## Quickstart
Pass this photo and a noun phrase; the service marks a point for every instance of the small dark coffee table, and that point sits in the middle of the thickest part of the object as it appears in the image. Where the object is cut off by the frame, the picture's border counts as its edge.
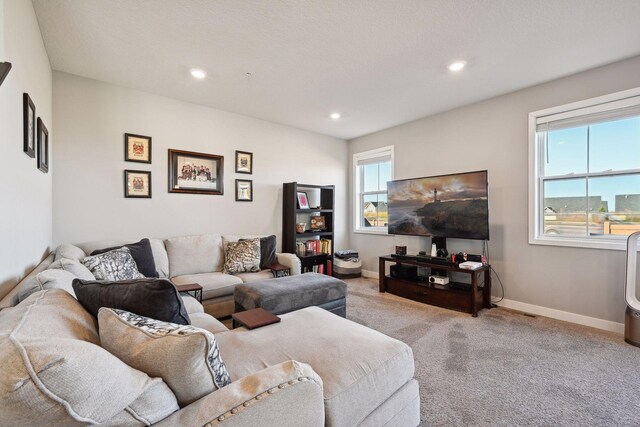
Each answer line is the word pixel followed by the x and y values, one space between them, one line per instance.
pixel 255 318
pixel 191 287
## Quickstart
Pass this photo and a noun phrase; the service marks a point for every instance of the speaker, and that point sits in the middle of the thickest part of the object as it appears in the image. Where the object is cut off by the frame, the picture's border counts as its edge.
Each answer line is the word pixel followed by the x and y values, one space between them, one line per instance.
pixel 405 272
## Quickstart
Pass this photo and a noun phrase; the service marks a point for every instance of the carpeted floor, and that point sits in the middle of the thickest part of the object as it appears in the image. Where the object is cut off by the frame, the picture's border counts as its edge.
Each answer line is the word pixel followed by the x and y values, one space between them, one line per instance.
pixel 504 368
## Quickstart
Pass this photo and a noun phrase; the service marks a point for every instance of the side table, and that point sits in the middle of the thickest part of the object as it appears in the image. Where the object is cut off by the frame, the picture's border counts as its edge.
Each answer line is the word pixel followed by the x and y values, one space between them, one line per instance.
pixel 254 318
pixel 192 287
pixel 279 270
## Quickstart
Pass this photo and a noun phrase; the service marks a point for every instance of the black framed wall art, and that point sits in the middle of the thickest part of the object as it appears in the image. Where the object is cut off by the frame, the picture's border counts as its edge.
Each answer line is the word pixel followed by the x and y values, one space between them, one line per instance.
pixel 244 162
pixel 29 125
pixel 137 184
pixel 196 173
pixel 244 190
pixel 137 148
pixel 43 146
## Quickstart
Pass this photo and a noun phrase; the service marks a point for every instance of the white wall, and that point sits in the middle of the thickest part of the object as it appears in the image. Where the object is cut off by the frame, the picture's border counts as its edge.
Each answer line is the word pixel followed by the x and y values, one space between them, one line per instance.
pixel 493 135
pixel 91 118
pixel 25 209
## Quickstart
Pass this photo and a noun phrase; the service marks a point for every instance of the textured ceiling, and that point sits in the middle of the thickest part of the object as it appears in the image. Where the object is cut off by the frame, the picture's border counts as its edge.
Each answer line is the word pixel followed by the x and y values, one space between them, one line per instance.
pixel 379 63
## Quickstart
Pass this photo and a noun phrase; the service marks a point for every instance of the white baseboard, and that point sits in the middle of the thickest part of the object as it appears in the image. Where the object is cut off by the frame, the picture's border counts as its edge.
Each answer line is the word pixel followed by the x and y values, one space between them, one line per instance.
pixel 580 319
pixel 566 316
pixel 370 274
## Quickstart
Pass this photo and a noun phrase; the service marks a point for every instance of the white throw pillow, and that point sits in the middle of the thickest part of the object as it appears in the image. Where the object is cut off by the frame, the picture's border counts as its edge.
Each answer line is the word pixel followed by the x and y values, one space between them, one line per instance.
pixel 117 264
pixel 185 357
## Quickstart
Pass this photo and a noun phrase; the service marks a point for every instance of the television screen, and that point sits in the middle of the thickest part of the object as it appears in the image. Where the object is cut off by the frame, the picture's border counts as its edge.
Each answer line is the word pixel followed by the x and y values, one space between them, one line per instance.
pixel 455 206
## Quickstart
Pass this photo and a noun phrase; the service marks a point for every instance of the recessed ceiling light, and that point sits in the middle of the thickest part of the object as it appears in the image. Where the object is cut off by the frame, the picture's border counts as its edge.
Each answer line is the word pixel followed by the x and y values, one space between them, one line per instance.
pixel 198 73
pixel 335 116
pixel 457 66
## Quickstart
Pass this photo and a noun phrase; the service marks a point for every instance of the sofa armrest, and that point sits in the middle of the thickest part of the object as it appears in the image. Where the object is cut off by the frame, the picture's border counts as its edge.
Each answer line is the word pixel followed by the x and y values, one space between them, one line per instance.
pixel 287 394
pixel 291 261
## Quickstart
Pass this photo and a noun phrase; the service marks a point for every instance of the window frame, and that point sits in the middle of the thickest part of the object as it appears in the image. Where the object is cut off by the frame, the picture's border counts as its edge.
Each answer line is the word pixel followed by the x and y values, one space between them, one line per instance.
pixel 358 195
pixel 537 178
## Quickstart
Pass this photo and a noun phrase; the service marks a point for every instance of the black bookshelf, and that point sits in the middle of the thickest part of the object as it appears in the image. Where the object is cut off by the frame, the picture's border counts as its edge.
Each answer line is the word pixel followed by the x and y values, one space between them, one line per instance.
pixel 291 215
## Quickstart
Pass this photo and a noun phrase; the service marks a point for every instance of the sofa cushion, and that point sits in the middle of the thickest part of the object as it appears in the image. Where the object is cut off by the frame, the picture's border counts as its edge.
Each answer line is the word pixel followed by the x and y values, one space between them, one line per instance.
pixel 267 251
pixel 48 279
pixel 191 304
pixel 253 277
pixel 242 256
pixel 185 357
pixel 74 267
pixel 117 264
pixel 157 247
pixel 70 252
pixel 194 254
pixel 155 298
pixel 214 285
pixel 207 322
pixel 54 372
pixel 142 255
pixel 360 368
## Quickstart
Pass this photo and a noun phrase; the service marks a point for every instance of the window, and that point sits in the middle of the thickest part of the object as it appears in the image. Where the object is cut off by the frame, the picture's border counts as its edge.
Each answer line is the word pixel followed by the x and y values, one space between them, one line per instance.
pixel 585 172
pixel 372 170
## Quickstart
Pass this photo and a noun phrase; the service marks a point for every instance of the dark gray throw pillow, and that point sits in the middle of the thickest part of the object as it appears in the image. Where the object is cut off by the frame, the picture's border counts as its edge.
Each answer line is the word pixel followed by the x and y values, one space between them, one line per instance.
pixel 155 298
pixel 142 255
pixel 267 251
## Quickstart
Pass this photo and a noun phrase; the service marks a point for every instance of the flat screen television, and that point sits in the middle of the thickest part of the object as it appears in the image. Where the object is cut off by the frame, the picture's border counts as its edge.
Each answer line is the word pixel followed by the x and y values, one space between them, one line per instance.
pixel 455 206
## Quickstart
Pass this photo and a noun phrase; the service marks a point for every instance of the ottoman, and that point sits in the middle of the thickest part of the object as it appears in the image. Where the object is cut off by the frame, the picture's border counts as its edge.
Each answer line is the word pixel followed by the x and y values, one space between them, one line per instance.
pixel 292 293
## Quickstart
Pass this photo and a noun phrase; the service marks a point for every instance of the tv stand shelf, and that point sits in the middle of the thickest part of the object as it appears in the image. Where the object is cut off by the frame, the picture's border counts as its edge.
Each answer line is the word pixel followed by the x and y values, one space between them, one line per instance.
pixel 470 300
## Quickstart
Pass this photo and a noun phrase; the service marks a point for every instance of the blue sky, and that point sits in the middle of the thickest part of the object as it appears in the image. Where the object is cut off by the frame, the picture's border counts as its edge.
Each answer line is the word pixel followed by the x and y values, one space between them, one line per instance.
pixel 611 145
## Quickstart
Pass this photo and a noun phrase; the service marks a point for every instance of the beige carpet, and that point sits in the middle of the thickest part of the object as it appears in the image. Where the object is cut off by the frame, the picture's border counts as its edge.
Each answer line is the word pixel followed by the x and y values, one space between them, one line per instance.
pixel 504 368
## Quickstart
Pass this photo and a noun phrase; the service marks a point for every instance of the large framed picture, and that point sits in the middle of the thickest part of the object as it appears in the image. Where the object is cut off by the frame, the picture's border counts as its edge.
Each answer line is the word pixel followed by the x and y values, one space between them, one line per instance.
pixel 29 125
pixel 244 190
pixel 137 184
pixel 195 173
pixel 137 148
pixel 244 162
pixel 43 146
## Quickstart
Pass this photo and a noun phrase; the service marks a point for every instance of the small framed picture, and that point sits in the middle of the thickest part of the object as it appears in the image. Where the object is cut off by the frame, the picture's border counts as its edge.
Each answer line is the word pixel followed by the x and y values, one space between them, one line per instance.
pixel 195 173
pixel 29 125
pixel 318 222
pixel 137 148
pixel 43 147
pixel 137 184
pixel 303 200
pixel 244 162
pixel 244 190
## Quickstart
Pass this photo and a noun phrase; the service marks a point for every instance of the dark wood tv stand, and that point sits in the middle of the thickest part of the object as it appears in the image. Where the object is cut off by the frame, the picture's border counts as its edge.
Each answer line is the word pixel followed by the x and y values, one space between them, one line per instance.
pixel 466 300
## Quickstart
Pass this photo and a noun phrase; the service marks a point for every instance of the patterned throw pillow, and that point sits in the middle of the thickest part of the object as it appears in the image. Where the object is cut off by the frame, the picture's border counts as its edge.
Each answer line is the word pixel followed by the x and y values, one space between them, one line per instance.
pixel 185 357
pixel 242 256
pixel 117 264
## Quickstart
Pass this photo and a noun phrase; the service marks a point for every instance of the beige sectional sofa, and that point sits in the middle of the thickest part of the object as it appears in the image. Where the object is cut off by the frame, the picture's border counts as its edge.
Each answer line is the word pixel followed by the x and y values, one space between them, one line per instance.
pixel 185 259
pixel 312 369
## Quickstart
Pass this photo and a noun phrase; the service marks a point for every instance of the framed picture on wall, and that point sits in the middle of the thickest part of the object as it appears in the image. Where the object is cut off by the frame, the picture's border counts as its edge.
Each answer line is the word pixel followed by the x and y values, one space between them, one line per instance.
pixel 43 146
pixel 137 148
pixel 29 125
pixel 196 173
pixel 137 184
pixel 244 162
pixel 244 190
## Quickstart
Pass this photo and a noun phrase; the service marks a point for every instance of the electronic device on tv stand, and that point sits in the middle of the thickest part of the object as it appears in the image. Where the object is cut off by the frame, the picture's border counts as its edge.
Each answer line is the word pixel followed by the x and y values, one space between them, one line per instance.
pixel 440 207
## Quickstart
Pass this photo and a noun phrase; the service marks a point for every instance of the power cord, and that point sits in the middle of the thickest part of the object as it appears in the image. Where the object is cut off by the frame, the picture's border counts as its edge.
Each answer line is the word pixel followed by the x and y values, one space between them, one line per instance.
pixel 485 252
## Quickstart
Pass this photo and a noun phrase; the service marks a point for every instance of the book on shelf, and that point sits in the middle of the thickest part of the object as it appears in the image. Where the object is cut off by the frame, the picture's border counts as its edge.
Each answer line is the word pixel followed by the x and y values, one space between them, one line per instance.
pixel 314 247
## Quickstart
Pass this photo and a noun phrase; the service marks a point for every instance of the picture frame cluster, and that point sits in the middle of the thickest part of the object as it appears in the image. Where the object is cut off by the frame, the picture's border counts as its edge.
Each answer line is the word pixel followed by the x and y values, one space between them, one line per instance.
pixel 189 172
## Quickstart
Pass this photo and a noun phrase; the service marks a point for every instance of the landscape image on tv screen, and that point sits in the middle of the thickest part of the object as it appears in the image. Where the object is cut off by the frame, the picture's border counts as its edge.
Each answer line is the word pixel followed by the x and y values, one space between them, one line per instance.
pixel 453 206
